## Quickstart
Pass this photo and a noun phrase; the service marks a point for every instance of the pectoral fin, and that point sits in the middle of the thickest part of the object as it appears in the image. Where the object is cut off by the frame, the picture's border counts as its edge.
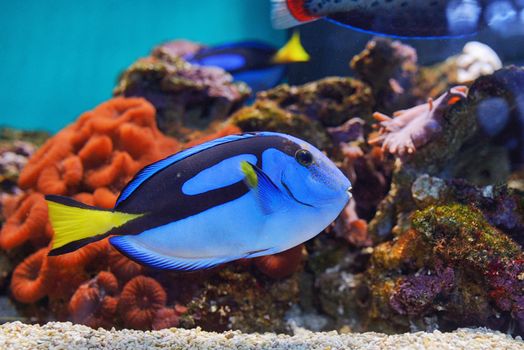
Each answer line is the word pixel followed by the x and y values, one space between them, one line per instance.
pixel 269 195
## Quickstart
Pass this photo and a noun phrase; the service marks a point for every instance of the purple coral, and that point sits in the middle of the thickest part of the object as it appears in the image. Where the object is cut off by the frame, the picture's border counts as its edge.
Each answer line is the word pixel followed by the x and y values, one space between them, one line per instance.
pixel 506 282
pixel 352 130
pixel 177 48
pixel 414 127
pixel 415 294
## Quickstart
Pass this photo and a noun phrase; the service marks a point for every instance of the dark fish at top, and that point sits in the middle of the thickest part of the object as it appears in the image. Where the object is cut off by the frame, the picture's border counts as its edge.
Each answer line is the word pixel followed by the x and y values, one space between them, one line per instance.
pixel 403 18
pixel 260 65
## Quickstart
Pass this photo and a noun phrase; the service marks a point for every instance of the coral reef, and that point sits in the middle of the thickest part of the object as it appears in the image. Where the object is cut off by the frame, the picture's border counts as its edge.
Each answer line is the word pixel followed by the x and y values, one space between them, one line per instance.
pixel 432 238
pixel 13 157
pixel 234 298
pixel 451 252
pixel 470 270
pixel 266 115
pixel 91 160
pixel 441 263
pixel 190 100
pixel 331 101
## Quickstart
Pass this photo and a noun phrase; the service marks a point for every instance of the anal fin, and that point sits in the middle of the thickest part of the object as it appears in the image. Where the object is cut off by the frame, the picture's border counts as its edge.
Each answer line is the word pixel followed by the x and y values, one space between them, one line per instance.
pixel 131 248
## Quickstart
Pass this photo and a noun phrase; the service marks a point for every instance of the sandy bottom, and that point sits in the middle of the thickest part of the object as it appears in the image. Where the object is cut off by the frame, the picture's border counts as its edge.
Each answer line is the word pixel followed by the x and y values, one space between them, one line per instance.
pixel 58 335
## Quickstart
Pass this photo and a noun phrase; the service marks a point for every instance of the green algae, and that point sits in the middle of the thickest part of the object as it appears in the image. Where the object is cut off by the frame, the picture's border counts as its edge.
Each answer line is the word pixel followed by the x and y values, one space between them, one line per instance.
pixel 240 300
pixel 267 115
pixel 463 234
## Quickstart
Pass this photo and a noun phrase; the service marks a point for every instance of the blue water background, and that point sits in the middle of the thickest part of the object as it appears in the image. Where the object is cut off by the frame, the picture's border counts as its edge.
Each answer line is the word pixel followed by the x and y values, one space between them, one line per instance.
pixel 59 58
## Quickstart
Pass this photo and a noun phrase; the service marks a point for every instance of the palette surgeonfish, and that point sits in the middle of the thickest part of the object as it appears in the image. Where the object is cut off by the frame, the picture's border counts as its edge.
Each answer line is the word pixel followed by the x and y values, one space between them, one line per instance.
pixel 260 65
pixel 240 196
pixel 403 18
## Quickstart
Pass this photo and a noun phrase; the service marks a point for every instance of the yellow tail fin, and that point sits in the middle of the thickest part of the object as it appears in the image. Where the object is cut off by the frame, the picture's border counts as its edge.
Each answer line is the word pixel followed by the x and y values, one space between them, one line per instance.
pixel 292 51
pixel 74 222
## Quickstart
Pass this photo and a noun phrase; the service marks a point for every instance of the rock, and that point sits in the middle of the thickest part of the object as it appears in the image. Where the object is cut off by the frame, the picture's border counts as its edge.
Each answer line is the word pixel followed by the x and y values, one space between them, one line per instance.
pixel 331 101
pixel 190 100
pixel 390 68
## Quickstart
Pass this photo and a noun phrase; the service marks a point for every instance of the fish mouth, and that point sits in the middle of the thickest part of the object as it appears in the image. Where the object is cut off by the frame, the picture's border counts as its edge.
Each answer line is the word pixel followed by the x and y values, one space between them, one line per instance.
pixel 292 195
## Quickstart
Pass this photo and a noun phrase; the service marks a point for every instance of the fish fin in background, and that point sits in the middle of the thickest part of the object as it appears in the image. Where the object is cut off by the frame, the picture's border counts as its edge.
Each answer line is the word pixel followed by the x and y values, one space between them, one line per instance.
pixel 292 51
pixel 133 249
pixel 76 224
pixel 289 13
pixel 269 195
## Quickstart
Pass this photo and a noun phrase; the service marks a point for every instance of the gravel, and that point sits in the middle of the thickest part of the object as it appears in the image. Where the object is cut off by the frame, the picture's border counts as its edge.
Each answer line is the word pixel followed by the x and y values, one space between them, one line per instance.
pixel 58 335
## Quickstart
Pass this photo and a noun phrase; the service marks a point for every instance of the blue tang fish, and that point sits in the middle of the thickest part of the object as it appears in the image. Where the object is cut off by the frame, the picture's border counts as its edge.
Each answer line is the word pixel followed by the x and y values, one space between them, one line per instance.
pixel 239 196
pixel 260 65
pixel 403 18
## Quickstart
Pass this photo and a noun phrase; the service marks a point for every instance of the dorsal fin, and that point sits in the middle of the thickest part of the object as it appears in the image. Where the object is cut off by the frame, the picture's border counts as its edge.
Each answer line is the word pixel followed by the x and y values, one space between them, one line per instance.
pixel 152 169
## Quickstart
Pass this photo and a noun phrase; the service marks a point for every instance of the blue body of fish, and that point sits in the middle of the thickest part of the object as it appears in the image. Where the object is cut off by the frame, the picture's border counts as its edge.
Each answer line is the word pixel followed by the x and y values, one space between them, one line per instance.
pixel 240 196
pixel 250 62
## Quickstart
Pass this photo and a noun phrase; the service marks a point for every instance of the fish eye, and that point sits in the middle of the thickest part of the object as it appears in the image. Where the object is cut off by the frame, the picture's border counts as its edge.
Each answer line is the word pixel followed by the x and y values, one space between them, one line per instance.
pixel 304 157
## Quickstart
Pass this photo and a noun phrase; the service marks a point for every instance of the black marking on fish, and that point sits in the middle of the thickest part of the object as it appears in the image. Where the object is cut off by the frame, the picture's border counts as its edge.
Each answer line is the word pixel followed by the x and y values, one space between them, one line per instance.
pixel 75 245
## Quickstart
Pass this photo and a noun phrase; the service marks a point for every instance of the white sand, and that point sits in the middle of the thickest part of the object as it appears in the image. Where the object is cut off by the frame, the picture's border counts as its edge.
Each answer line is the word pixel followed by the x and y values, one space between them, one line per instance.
pixel 56 335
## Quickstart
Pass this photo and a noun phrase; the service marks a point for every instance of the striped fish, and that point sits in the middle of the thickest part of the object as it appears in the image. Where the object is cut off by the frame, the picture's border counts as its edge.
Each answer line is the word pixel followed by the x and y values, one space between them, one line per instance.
pixel 239 196
pixel 260 65
pixel 404 18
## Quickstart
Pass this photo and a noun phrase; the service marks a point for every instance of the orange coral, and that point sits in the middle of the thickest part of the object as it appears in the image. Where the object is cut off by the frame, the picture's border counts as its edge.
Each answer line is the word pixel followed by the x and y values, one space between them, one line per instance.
pixel 104 198
pixel 28 220
pixel 280 265
pixel 82 256
pixel 51 152
pixel 165 318
pixel 28 283
pixel 94 303
pixel 123 267
pixel 94 158
pixel 141 298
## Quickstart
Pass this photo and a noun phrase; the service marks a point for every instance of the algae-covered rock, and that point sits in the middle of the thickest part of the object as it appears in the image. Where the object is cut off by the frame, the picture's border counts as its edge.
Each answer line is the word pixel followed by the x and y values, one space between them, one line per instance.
pixel 453 265
pixel 390 68
pixel 268 116
pixel 440 128
pixel 10 135
pixel 332 101
pixel 187 97
pixel 235 299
